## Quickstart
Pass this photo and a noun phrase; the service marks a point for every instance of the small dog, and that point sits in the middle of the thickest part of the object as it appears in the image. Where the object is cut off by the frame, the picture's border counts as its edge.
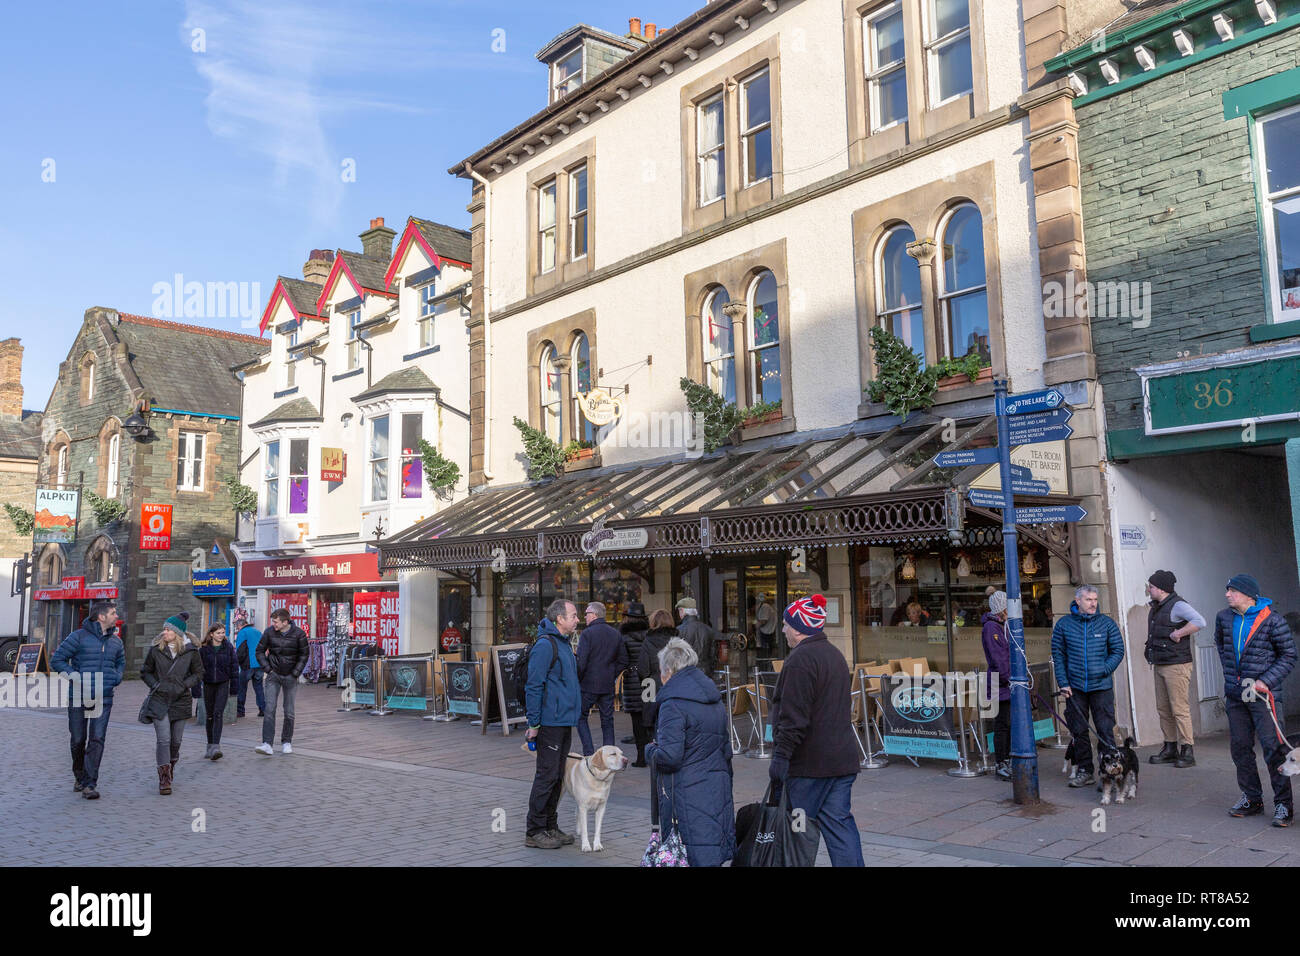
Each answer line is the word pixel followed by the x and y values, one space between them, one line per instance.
pixel 589 780
pixel 1071 759
pixel 1119 772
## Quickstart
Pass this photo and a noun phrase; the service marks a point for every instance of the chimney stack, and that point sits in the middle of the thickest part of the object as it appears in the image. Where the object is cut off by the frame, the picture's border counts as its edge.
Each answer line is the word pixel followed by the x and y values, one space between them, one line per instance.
pixel 317 267
pixel 377 241
pixel 651 31
pixel 11 378
pixel 634 27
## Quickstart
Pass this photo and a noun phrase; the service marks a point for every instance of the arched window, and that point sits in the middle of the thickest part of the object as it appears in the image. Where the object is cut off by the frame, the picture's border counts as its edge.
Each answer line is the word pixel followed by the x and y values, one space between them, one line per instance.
pixel 719 345
pixel 583 430
pixel 87 378
pixel 765 340
pixel 552 399
pixel 51 567
pixel 101 560
pixel 898 290
pixel 963 292
pixel 61 466
pixel 111 461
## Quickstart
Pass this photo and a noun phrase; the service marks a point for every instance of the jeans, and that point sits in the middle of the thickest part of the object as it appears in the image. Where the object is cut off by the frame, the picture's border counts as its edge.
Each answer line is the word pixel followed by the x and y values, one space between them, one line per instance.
pixel 87 735
pixel 548 780
pixel 1245 723
pixel 255 675
pixel 605 704
pixel 277 685
pixel 827 800
pixel 214 699
pixel 1102 705
pixel 167 734
pixel 1002 732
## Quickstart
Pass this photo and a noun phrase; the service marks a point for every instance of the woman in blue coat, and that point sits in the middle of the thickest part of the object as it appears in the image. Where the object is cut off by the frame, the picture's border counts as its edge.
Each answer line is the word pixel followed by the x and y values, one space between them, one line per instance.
pixel 691 756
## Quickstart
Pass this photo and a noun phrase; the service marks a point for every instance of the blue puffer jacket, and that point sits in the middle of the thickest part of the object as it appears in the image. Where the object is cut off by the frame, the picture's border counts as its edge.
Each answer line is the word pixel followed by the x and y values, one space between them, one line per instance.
pixel 87 651
pixel 692 757
pixel 1267 655
pixel 1086 649
pixel 559 705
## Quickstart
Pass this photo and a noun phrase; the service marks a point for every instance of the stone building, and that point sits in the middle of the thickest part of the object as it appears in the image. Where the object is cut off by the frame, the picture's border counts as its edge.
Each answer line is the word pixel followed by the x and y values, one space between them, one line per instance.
pixel 20 451
pixel 144 411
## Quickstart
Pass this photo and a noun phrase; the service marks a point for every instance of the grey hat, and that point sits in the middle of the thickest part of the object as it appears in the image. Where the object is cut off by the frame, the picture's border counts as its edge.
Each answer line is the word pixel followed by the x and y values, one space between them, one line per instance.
pixel 686 603
pixel 998 602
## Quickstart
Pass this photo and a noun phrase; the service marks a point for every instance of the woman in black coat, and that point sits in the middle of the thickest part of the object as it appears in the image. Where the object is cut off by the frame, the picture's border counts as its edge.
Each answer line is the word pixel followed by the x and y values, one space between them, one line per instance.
pixel 633 630
pixel 171 669
pixel 647 662
pixel 220 680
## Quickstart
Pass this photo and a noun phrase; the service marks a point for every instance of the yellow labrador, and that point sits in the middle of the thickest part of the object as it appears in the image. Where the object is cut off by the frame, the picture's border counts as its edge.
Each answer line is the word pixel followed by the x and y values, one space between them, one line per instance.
pixel 588 780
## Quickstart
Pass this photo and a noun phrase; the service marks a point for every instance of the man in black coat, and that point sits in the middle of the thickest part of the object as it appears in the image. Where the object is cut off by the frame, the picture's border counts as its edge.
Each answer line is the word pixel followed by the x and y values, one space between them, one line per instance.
pixel 815 750
pixel 601 658
pixel 1257 653
pixel 282 653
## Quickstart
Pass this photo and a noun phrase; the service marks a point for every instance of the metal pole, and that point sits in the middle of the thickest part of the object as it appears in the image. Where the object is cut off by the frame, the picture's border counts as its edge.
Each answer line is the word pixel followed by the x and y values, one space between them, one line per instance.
pixel 1024 755
pixel 762 720
pixel 872 762
pixel 963 768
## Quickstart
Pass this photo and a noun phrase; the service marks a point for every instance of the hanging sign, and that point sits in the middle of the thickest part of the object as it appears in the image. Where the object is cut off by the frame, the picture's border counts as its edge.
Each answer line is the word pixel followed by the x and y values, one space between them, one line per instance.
pixel 155 527
pixel 333 464
pixel 599 407
pixel 216 582
pixel 55 520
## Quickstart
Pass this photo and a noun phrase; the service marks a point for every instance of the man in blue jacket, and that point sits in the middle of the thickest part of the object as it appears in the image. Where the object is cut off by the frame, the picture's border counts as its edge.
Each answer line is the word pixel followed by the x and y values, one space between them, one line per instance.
pixel 601 658
pixel 246 641
pixel 92 649
pixel 1257 652
pixel 1086 648
pixel 552 698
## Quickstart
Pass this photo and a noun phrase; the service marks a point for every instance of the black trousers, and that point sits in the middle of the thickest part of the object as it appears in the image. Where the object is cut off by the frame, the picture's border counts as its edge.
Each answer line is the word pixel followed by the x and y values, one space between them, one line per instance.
pixel 548 781
pixel 1245 723
pixel 640 733
pixel 1101 703
pixel 1002 732
pixel 214 702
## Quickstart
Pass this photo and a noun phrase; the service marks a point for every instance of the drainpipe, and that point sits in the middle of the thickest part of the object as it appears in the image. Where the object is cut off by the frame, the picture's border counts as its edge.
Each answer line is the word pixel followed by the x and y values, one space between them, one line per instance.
pixel 487 319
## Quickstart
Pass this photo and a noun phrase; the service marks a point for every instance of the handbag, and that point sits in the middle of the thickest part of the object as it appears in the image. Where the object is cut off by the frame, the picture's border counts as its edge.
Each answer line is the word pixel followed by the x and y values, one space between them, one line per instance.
pixel 769 835
pixel 154 707
pixel 668 850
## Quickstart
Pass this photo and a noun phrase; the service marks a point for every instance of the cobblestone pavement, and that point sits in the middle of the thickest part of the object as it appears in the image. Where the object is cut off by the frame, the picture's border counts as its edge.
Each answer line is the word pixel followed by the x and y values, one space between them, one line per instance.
pixel 399 790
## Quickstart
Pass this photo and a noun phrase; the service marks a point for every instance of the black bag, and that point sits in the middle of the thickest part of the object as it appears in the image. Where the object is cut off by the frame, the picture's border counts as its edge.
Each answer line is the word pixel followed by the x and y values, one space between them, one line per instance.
pixel 521 670
pixel 154 707
pixel 766 835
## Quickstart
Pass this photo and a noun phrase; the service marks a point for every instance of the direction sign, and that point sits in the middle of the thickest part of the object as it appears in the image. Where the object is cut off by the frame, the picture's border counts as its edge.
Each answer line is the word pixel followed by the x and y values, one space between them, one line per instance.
pixel 1030 487
pixel 1040 401
pixel 1021 473
pixel 1041 427
pixel 1051 514
pixel 984 499
pixel 967 456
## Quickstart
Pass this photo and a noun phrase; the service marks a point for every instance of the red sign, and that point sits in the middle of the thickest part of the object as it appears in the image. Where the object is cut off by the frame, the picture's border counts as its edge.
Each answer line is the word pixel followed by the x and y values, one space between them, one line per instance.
pixel 298 606
pixel 155 527
pixel 333 464
pixel 359 568
pixel 451 638
pixel 74 589
pixel 365 617
pixel 388 622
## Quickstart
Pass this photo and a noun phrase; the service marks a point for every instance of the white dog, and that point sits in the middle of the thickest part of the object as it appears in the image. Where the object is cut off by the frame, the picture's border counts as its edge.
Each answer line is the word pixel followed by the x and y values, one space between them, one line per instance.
pixel 589 780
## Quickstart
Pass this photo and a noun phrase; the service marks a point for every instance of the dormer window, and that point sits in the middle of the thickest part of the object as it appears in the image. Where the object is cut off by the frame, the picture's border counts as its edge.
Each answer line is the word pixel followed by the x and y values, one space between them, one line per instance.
pixel 567 74
pixel 354 339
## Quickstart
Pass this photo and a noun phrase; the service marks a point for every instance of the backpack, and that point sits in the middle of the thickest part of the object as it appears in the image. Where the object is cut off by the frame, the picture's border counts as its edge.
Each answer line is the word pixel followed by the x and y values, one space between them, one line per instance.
pixel 520 674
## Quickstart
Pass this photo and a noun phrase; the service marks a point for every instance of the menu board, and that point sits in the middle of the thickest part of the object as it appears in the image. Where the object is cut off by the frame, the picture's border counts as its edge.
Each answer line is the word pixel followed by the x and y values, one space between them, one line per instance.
pixel 504 659
pixel 464 682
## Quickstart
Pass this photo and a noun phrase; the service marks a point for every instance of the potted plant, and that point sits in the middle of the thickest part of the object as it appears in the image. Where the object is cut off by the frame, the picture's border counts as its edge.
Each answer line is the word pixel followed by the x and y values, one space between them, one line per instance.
pixel 970 368
pixel 579 450
pixel 761 413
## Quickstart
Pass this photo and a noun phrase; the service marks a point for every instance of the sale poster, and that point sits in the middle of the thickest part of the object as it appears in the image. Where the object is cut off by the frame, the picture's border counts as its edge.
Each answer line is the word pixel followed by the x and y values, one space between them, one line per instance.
pixel 365 617
pixel 388 622
pixel 298 606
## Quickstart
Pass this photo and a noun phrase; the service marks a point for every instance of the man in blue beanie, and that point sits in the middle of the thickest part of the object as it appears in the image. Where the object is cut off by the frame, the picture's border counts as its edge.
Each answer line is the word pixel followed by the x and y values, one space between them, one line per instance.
pixel 1257 652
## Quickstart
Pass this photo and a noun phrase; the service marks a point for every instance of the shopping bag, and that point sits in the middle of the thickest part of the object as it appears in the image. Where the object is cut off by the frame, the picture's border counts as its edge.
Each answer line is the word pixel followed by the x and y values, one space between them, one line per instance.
pixel 768 834
pixel 670 851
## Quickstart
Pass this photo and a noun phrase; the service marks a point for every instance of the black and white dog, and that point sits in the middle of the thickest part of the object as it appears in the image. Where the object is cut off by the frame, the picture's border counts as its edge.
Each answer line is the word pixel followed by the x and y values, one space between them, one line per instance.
pixel 1071 761
pixel 1119 772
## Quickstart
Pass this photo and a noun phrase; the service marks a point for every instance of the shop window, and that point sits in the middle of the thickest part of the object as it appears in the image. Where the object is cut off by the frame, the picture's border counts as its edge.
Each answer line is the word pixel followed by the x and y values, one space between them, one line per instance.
pixel 1280 205
pixel 379 458
pixel 570 580
pixel 756 127
pixel 765 340
pixel 948 51
pixel 963 292
pixel 580 364
pixel 518 605
pixel 552 396
pixel 271 480
pixel 189 461
pixel 719 345
pixel 616 588
pixel 885 59
pixel 898 293
pixel 546 246
pixel 412 463
pixel 578 213
pixel 299 481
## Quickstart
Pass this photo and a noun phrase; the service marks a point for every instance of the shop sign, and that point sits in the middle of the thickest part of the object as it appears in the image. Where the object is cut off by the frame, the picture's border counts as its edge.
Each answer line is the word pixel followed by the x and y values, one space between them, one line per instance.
pixel 600 538
pixel 388 618
pixel 55 520
pixel 74 589
pixel 333 464
pixel 1133 537
pixel 1225 396
pixel 155 527
pixel 365 617
pixel 298 606
pixel 1045 462
pixel 599 407
pixel 361 567
pixel 918 722
pixel 217 582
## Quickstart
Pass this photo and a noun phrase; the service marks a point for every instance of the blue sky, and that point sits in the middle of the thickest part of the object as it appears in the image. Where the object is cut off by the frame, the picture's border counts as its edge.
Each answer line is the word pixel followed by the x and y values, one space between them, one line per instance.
pixel 129 156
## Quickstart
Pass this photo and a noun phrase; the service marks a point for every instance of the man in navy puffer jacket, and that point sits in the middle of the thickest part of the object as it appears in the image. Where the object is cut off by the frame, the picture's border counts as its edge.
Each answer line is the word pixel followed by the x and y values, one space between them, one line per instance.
pixel 1086 648
pixel 92 649
pixel 1257 652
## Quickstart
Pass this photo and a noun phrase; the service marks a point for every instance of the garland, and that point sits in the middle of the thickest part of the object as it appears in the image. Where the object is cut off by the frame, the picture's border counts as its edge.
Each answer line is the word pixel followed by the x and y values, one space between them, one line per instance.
pixel 243 499
pixel 545 457
pixel 23 520
pixel 107 510
pixel 440 473
pixel 715 417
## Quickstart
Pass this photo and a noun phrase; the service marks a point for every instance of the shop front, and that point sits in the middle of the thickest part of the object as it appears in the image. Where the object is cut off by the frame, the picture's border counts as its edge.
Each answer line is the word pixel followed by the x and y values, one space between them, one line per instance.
pixel 65 605
pixel 215 589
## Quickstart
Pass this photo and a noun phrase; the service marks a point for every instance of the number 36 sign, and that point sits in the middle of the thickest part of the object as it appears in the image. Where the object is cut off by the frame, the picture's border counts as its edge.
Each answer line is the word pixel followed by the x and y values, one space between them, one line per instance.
pixel 1219 396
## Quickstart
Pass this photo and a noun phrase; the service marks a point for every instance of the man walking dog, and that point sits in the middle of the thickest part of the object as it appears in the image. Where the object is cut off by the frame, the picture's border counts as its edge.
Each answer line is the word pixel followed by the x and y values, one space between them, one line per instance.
pixel 1171 622
pixel 1086 648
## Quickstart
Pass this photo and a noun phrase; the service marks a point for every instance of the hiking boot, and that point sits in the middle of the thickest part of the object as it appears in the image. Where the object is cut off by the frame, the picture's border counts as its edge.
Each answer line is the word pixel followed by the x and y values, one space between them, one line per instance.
pixel 1168 753
pixel 1245 807
pixel 543 840
pixel 1281 815
pixel 90 793
pixel 1003 770
pixel 1185 757
pixel 563 837
pixel 1082 778
pixel 165 780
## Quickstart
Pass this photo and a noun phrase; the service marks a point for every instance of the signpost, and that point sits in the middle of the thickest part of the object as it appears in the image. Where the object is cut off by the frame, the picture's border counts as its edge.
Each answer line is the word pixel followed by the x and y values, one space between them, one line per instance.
pixel 966 456
pixel 1041 427
pixel 1041 401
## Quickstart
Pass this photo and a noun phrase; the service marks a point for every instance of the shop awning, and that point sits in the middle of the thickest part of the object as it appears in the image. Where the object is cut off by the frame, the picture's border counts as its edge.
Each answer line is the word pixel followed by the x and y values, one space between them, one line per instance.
pixel 841 486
